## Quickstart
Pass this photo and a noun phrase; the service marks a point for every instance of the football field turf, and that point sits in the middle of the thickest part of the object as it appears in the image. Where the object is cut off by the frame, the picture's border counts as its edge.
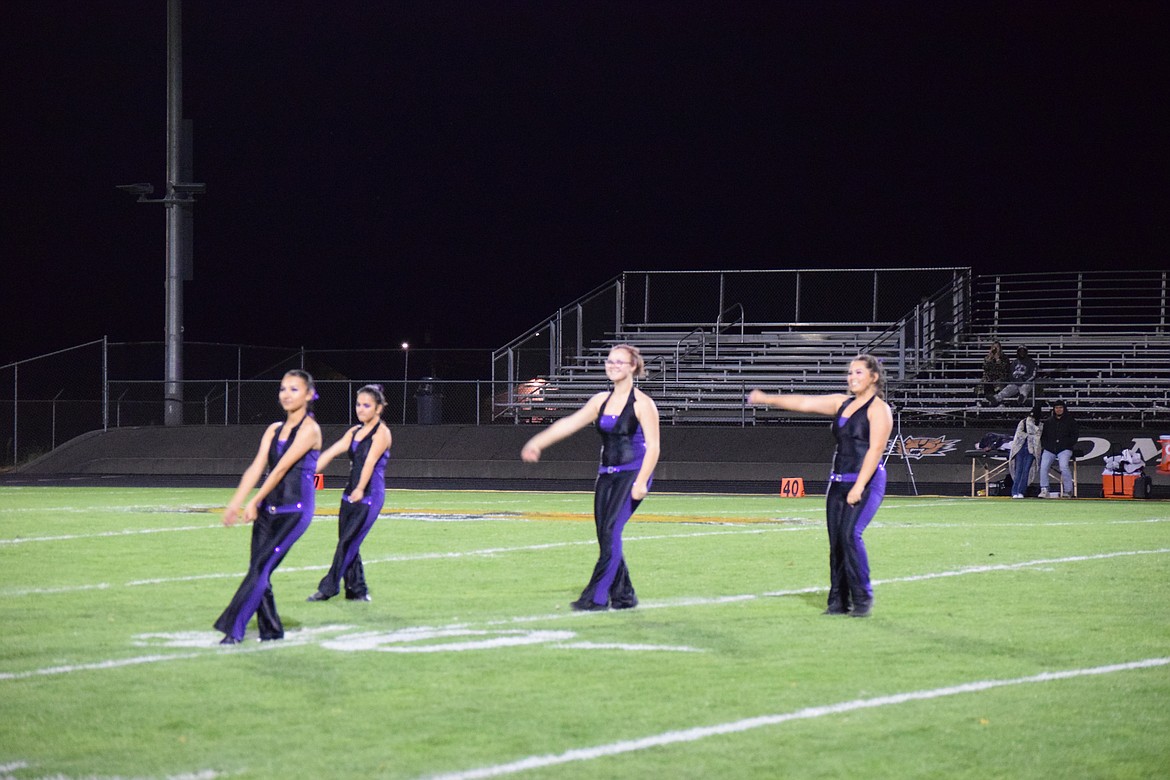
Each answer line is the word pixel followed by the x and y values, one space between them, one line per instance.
pixel 1008 639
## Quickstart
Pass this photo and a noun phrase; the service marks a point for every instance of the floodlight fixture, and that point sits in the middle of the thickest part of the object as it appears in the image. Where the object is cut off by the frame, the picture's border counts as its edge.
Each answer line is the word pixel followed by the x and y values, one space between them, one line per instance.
pixel 140 189
pixel 188 188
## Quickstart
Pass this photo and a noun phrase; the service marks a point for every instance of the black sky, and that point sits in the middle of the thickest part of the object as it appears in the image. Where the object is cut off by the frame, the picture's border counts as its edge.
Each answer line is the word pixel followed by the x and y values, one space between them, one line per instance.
pixel 381 171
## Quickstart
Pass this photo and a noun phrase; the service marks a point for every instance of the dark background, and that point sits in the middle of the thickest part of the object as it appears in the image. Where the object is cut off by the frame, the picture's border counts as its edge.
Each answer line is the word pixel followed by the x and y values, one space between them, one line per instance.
pixel 449 173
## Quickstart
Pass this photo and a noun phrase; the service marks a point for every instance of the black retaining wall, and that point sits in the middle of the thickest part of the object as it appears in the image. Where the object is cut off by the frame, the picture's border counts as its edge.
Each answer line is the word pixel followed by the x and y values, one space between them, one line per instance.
pixel 456 456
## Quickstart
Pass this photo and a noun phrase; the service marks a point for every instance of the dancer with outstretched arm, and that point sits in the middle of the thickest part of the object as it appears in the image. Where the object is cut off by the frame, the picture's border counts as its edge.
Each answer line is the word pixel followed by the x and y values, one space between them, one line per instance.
pixel 627 420
pixel 862 424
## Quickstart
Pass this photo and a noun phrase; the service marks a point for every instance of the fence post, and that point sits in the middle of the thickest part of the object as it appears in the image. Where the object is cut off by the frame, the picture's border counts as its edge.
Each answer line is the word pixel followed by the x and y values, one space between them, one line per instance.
pixel 719 311
pixel 15 412
pixel 53 431
pixel 118 409
pixel 554 338
pixel 646 298
pixel 510 384
pixel 1080 299
pixel 1162 306
pixel 995 310
pixel 873 313
pixel 620 314
pixel 902 352
pixel 796 303
pixel 105 384
pixel 579 350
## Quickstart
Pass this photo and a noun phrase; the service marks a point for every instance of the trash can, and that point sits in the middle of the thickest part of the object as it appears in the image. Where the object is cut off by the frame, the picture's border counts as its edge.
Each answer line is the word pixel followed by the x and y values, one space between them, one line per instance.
pixel 430 402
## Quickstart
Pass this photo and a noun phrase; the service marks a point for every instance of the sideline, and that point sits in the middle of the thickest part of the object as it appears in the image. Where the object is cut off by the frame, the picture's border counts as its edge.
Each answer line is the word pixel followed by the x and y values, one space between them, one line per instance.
pixel 734 727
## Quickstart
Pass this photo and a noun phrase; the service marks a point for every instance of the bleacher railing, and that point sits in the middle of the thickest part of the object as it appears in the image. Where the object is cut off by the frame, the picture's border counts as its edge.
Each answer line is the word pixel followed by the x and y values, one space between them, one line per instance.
pixel 937 320
pixel 771 299
pixel 1078 302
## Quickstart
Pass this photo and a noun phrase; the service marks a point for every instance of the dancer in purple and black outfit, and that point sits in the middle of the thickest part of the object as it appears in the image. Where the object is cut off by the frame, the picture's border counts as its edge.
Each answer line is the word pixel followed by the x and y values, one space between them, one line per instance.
pixel 281 510
pixel 368 447
pixel 862 424
pixel 627 420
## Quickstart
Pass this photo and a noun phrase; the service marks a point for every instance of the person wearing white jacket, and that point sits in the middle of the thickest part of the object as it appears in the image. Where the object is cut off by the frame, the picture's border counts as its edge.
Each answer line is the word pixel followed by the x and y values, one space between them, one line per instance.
pixel 1025 451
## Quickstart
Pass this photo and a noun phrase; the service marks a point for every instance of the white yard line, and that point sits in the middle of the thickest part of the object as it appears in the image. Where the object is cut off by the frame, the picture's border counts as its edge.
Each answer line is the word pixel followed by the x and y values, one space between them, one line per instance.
pixel 104 534
pixel 734 727
pixel 645 605
pixel 484 552
pixel 703 601
pixel 681 519
pixel 431 556
pixel 117 663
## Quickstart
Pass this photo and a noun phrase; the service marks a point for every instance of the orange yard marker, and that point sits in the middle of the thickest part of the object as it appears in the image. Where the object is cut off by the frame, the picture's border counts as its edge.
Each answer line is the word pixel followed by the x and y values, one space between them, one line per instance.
pixel 792 487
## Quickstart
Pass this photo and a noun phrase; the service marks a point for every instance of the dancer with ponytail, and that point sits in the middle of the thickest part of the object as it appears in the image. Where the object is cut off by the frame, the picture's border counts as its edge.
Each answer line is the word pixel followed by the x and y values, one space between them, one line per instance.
pixel 368 447
pixel 862 424
pixel 627 420
pixel 280 511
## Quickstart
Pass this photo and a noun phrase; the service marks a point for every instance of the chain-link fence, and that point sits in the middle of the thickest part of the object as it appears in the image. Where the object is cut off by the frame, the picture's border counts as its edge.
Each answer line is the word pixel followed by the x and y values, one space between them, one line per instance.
pixel 51 398
pixel 425 401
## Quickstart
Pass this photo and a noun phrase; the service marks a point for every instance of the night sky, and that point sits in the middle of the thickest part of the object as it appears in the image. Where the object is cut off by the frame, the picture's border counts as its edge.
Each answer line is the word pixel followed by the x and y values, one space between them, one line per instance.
pixel 455 171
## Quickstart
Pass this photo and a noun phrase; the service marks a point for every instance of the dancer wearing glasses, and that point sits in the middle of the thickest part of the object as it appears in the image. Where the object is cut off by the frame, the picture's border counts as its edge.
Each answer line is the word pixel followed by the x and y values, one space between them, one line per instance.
pixel 627 420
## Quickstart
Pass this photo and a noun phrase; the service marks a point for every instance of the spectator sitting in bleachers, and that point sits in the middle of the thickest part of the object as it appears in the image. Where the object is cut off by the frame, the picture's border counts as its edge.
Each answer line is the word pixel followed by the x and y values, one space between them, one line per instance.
pixel 995 371
pixel 1021 380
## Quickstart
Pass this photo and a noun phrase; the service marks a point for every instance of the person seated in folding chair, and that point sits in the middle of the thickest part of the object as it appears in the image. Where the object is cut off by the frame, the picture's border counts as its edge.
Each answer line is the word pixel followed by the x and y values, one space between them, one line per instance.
pixel 1057 441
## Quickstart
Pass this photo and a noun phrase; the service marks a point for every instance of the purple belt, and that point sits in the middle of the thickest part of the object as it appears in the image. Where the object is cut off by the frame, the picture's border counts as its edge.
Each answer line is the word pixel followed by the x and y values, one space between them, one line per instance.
pixel 618 469
pixel 283 510
pixel 835 477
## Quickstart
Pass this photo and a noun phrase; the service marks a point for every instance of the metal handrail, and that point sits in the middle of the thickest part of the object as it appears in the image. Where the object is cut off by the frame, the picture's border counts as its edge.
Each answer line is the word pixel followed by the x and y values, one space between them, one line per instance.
pixel 702 332
pixel 662 360
pixel 720 326
pixel 918 349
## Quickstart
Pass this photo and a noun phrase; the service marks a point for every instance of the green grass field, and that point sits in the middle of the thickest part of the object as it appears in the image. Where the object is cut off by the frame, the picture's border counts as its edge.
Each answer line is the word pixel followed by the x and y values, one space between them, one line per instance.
pixel 1010 639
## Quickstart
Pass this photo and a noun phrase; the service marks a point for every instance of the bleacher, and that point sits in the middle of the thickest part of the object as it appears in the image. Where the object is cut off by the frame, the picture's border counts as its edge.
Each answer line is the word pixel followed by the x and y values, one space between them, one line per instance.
pixel 1114 377
pixel 696 377
pixel 701 372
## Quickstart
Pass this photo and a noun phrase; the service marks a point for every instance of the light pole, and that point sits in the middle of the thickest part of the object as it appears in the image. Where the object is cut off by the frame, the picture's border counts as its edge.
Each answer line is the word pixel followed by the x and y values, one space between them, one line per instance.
pixel 405 370
pixel 179 204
